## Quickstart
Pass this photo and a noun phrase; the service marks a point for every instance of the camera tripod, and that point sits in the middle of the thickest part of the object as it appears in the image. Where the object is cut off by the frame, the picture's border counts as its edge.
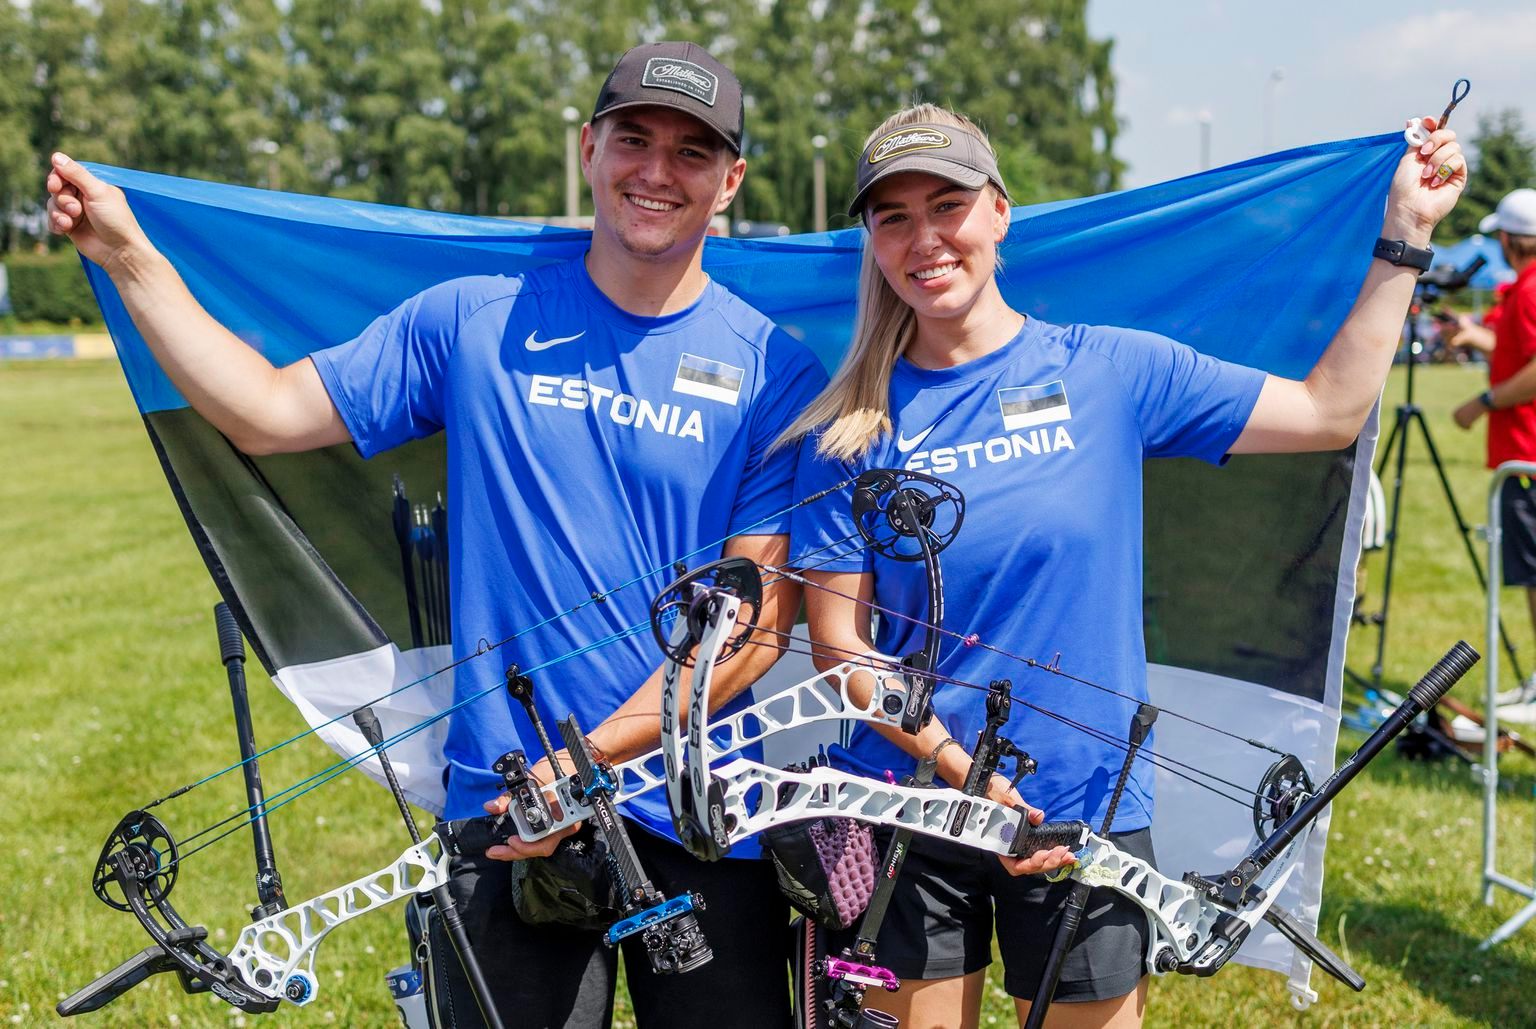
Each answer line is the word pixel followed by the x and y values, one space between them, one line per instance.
pixel 1407 419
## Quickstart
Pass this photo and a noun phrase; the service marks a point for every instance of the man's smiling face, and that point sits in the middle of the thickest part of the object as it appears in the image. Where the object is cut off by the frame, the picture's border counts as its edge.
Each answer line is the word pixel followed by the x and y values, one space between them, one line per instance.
pixel 658 176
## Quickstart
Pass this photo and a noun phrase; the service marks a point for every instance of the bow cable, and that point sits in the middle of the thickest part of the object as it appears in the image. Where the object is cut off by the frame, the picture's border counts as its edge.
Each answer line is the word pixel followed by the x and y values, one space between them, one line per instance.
pixel 293 792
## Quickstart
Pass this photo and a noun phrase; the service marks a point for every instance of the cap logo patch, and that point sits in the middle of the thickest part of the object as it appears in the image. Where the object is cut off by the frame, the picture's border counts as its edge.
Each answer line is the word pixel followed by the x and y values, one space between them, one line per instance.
pixel 904 141
pixel 680 77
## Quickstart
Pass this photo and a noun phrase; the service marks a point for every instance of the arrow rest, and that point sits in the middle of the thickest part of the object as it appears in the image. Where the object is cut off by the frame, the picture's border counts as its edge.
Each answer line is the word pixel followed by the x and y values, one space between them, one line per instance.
pixel 529 811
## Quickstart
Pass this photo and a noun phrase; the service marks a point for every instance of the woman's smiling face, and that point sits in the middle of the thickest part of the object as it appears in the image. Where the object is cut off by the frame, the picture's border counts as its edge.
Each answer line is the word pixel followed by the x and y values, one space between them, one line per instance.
pixel 935 242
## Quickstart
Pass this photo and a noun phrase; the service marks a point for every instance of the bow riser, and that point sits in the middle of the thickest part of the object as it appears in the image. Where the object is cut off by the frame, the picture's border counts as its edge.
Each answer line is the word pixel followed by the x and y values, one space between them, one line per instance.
pixel 825 697
pixel 757 797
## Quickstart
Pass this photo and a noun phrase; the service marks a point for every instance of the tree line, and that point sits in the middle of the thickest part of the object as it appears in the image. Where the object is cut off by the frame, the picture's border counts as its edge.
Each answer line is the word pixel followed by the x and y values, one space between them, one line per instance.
pixel 456 105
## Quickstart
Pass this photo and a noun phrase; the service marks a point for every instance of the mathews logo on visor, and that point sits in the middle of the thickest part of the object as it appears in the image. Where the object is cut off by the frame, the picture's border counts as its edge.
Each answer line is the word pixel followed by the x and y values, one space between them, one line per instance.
pixel 904 141
pixel 682 77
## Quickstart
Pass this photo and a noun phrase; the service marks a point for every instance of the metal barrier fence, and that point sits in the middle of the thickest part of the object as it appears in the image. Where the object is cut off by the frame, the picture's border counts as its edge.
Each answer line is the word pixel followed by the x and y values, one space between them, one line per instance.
pixel 1491 876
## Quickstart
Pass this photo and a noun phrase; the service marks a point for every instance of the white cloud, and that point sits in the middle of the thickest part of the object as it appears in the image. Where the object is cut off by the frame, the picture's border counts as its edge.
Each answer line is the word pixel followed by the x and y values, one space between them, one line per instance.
pixel 1447 43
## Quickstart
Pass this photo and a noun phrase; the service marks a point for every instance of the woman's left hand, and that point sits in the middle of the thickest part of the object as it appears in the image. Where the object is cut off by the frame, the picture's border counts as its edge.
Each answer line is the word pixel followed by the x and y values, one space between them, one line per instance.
pixel 1040 861
pixel 1428 181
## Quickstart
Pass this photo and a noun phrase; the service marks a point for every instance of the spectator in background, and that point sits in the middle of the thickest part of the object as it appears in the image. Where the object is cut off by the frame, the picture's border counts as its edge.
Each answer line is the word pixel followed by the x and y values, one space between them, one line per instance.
pixel 1464 332
pixel 1508 334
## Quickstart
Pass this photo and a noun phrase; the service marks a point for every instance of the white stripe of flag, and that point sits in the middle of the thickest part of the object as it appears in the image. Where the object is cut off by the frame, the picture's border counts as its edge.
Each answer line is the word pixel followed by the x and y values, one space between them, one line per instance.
pixel 1024 406
pixel 712 380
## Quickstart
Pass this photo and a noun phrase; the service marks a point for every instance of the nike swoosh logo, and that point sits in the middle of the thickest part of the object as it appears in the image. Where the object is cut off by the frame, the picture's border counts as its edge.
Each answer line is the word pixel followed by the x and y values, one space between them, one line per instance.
pixel 535 345
pixel 905 445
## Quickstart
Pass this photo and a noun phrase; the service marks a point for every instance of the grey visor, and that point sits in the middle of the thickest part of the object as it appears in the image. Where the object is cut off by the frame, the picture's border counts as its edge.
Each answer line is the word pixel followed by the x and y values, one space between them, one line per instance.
pixel 943 150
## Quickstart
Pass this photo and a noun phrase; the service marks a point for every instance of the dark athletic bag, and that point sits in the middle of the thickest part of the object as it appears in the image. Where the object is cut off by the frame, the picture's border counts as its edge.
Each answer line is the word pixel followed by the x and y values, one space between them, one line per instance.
pixel 573 886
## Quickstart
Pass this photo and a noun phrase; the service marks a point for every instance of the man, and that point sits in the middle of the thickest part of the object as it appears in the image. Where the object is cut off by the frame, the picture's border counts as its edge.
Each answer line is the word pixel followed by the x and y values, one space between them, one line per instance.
pixel 1508 402
pixel 604 417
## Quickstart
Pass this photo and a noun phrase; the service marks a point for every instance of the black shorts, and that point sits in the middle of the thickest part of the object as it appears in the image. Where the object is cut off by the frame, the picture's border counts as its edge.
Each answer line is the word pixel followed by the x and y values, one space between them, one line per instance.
pixel 940 923
pixel 1517 516
pixel 552 976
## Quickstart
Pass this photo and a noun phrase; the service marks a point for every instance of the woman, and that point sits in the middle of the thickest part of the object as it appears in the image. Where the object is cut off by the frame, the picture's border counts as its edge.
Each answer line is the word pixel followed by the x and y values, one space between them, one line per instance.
pixel 940 368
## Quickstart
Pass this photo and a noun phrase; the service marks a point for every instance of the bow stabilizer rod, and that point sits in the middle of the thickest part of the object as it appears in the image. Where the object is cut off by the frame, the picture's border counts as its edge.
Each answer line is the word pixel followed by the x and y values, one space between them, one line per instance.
pixel 442 897
pixel 1243 886
pixel 269 885
pixel 1077 898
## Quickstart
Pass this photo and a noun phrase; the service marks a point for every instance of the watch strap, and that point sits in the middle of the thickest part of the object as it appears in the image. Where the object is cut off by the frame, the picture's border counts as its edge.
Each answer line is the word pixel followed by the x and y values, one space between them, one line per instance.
pixel 1403 254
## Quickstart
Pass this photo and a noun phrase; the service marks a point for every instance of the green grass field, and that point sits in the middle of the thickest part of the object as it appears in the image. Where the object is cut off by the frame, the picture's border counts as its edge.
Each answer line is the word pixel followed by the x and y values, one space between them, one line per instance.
pixel 112 695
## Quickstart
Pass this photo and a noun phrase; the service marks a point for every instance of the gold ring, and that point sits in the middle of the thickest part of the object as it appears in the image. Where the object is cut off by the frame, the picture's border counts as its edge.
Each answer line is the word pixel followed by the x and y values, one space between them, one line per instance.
pixel 1445 171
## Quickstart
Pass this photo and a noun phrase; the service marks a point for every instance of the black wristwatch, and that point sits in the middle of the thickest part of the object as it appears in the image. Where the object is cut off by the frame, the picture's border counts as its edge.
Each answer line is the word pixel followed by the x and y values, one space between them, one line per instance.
pixel 1402 253
pixel 1486 399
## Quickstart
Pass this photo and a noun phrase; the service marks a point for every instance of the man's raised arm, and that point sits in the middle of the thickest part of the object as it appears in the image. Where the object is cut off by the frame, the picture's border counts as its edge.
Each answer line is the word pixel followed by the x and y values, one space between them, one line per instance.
pixel 262 409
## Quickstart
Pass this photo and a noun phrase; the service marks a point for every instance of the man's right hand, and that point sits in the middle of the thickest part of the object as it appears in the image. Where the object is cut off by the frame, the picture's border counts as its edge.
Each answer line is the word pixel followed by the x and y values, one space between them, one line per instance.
pixel 516 848
pixel 93 214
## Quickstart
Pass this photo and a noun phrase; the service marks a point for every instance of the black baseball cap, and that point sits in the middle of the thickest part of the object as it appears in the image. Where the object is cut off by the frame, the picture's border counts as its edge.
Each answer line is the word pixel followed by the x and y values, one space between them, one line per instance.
pixel 682 76
pixel 951 153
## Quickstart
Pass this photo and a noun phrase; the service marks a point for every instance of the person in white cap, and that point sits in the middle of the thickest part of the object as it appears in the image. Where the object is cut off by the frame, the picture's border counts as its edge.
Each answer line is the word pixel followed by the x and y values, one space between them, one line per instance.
pixel 1508 400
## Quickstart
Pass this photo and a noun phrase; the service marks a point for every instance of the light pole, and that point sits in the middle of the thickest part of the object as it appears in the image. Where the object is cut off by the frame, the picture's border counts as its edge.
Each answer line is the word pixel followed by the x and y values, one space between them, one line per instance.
pixel 819 183
pixel 270 148
pixel 1271 87
pixel 1205 140
pixel 572 164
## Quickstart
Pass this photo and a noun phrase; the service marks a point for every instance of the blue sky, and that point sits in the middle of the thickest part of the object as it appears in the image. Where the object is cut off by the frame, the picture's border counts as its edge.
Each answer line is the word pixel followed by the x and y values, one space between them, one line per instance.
pixel 1356 68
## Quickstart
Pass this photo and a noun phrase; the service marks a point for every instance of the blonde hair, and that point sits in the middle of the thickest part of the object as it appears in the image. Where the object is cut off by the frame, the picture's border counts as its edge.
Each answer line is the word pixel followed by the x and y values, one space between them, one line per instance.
pixel 855 409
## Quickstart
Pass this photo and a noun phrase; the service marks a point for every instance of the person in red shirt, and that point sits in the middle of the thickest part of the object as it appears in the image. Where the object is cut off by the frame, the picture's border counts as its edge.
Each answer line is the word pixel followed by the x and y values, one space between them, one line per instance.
pixel 1510 400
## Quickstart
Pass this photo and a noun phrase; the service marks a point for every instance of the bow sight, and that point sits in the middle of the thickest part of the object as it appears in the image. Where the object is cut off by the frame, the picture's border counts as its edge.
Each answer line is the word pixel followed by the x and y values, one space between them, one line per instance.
pixel 673 941
pixel 667 927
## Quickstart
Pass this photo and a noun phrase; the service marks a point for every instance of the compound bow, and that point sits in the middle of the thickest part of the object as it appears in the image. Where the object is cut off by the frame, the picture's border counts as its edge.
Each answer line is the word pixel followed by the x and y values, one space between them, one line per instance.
pixel 1197 923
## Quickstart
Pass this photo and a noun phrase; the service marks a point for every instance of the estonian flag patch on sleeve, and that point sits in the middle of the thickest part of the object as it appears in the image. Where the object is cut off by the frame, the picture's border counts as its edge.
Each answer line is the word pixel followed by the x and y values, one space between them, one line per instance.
pixel 1026 406
pixel 712 380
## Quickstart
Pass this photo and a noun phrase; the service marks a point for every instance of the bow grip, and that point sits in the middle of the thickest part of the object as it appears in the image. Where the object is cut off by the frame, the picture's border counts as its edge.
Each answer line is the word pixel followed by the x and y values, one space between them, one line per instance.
pixel 1028 839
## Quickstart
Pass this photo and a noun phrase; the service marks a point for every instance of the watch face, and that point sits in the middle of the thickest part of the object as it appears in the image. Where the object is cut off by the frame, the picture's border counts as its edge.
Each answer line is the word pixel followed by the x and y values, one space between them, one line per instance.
pixel 1398 252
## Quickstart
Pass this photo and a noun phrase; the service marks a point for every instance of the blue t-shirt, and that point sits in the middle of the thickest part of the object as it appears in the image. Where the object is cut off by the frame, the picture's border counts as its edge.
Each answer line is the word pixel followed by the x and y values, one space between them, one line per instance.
pixel 1045 437
pixel 586 446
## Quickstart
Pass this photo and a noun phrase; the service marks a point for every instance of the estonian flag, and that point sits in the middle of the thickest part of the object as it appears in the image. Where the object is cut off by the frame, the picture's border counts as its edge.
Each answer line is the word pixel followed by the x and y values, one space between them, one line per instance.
pixel 1026 406
pixel 1256 263
pixel 712 380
